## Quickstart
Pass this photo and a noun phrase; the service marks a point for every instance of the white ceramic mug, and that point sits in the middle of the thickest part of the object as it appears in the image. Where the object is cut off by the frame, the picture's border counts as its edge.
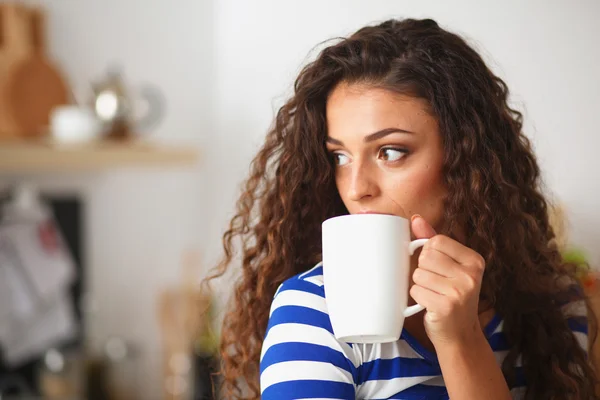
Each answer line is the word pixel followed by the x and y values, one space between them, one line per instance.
pixel 366 267
pixel 73 124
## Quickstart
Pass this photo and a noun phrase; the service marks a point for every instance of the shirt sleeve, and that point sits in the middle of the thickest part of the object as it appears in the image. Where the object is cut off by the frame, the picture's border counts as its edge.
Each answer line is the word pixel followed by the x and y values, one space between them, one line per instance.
pixel 576 314
pixel 300 357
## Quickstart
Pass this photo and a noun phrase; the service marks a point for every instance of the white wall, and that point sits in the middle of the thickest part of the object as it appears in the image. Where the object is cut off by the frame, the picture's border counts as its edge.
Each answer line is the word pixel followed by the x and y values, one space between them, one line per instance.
pixel 226 65
pixel 545 50
pixel 140 222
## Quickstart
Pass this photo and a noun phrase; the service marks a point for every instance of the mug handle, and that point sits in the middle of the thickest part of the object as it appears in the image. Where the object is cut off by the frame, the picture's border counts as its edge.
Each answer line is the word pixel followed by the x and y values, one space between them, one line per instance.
pixel 412 246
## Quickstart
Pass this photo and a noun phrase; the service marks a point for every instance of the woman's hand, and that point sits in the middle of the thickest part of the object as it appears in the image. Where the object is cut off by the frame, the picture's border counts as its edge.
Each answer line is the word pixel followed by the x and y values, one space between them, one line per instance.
pixel 447 283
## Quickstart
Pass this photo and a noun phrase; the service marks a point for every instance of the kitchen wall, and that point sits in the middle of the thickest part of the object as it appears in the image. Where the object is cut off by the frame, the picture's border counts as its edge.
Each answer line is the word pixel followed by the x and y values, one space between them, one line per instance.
pixel 544 50
pixel 227 65
pixel 140 222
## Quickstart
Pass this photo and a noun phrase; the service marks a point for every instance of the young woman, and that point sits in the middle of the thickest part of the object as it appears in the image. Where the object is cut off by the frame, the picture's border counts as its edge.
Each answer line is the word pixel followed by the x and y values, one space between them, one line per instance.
pixel 404 118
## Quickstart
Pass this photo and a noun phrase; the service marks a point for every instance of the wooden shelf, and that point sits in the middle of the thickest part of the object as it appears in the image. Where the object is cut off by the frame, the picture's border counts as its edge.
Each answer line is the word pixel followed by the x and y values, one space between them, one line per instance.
pixel 23 156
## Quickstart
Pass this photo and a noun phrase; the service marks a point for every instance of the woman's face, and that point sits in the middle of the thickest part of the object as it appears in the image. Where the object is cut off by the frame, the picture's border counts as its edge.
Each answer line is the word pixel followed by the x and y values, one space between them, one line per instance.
pixel 388 153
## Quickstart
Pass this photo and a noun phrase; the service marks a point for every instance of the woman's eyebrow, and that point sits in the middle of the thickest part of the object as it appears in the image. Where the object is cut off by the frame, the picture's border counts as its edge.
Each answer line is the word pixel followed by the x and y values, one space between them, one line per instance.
pixel 372 137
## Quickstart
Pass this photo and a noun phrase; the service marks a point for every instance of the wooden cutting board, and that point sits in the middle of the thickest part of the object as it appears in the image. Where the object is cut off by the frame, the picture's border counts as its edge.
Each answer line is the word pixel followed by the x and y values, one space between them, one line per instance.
pixel 15 46
pixel 35 86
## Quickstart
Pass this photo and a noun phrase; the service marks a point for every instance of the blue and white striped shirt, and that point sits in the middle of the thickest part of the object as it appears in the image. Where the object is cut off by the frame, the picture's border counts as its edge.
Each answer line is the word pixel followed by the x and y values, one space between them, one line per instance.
pixel 301 358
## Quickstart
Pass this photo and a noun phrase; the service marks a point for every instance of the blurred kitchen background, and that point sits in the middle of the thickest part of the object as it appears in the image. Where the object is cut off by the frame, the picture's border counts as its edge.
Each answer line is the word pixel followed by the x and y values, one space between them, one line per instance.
pixel 127 126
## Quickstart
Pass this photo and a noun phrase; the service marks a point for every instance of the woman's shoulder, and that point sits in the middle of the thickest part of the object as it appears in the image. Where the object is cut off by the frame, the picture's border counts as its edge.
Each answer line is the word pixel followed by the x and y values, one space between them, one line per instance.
pixel 301 299
pixel 300 346
pixel 573 305
pixel 310 281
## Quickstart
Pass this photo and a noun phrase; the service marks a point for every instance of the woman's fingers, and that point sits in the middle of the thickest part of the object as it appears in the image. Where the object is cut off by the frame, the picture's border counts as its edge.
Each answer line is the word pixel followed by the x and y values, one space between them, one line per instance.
pixel 432 301
pixel 431 280
pixel 455 250
pixel 435 261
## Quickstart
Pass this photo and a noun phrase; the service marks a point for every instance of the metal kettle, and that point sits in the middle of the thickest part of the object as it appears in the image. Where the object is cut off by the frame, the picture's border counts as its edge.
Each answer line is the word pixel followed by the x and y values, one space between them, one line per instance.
pixel 116 106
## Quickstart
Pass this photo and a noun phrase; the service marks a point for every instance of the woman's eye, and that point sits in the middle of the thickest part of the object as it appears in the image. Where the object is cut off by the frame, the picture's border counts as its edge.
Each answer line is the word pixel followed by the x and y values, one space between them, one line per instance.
pixel 391 154
pixel 340 159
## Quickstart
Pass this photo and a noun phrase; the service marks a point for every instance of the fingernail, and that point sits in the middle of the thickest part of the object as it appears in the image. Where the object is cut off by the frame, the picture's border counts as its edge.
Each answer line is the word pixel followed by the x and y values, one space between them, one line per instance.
pixel 415 216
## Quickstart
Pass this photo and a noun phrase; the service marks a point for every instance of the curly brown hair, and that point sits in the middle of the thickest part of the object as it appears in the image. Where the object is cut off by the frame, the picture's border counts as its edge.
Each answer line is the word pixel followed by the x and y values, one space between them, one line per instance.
pixel 494 195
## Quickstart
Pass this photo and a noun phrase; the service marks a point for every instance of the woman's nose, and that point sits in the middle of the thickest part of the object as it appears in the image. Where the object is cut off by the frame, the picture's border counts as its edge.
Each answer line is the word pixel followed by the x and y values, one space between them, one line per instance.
pixel 362 183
